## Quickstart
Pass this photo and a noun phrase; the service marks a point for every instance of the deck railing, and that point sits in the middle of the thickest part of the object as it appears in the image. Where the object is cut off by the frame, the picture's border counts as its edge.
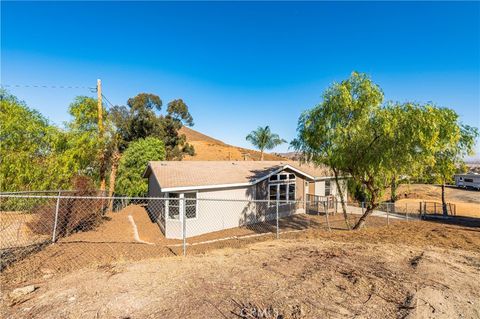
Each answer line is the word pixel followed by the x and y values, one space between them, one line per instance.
pixel 320 204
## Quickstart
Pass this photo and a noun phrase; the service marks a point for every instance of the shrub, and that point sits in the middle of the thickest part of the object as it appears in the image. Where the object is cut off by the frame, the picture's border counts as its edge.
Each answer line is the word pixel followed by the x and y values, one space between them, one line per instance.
pixel 130 181
pixel 74 213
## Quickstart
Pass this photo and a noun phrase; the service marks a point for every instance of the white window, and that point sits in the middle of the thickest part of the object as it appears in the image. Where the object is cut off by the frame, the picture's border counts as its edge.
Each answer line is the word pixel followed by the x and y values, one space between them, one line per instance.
pixel 282 177
pixel 175 205
pixel 283 192
pixel 291 191
pixel 281 187
pixel 190 205
pixel 327 188
pixel 272 192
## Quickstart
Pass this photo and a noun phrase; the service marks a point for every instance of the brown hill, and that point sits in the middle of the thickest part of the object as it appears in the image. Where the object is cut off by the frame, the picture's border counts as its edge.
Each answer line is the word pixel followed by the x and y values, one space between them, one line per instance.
pixel 210 149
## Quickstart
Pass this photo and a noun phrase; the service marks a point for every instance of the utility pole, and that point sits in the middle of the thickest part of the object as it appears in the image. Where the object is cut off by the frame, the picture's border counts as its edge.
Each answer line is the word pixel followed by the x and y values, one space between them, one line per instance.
pixel 100 134
pixel 100 107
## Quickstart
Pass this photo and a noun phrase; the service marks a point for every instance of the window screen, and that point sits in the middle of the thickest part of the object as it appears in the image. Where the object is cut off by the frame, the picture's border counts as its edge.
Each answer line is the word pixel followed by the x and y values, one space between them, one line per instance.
pixel 190 205
pixel 272 192
pixel 173 206
pixel 291 192
pixel 283 192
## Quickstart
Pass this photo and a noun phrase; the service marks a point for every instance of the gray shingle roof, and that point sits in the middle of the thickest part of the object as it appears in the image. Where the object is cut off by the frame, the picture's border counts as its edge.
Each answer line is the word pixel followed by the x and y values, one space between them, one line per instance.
pixel 174 174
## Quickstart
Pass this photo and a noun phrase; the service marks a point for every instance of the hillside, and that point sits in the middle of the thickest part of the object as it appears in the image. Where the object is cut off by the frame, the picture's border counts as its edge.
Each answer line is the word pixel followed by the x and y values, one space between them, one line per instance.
pixel 210 149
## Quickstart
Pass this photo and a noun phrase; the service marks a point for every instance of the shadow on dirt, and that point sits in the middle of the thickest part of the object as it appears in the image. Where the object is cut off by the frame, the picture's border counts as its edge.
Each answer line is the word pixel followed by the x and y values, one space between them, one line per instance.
pixel 453 220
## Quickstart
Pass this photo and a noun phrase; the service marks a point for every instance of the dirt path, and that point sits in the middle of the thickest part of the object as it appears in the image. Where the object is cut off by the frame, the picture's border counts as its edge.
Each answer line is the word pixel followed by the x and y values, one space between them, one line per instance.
pixel 298 279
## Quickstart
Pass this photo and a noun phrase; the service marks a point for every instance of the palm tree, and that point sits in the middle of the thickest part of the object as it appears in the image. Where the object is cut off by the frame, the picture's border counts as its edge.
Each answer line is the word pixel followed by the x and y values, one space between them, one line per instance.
pixel 262 138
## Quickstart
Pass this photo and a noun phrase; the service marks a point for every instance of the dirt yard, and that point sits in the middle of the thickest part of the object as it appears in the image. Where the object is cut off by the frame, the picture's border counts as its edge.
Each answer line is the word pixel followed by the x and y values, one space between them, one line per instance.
pixel 114 240
pixel 467 201
pixel 408 269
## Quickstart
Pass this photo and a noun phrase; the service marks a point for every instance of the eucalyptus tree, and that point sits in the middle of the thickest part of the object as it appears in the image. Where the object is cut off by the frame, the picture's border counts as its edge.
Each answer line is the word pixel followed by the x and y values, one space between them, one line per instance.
pixel 141 118
pixel 263 139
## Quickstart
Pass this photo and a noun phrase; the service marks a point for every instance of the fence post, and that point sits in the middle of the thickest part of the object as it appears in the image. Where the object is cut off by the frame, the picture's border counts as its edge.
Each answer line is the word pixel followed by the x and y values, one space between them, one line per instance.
pixel 388 216
pixel 276 214
pixel 406 211
pixel 326 215
pixel 435 208
pixel 55 223
pixel 184 225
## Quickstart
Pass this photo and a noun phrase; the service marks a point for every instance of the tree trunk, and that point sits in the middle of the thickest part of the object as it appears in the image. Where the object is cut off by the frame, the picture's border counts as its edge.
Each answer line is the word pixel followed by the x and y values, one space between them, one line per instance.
pixel 261 155
pixel 393 190
pixel 370 208
pixel 363 218
pixel 444 204
pixel 342 199
pixel 113 176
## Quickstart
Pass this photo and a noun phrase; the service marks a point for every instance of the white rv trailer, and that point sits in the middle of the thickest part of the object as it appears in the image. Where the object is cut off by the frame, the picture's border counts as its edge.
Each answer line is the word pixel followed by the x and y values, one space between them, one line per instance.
pixel 469 180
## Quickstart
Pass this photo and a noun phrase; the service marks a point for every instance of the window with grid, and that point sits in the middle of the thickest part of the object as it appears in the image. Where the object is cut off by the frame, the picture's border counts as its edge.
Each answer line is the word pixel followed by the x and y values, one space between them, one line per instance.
pixel 173 206
pixel 281 186
pixel 190 205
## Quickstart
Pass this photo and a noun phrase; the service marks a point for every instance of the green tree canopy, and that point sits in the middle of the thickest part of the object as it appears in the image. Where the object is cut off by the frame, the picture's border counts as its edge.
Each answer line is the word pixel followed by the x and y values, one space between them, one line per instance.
pixel 263 139
pixel 30 148
pixel 352 131
pixel 453 142
pixel 84 146
pixel 133 163
pixel 139 119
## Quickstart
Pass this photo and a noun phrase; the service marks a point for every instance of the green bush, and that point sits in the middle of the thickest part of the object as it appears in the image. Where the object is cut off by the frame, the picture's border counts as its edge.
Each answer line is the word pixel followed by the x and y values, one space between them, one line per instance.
pixel 130 181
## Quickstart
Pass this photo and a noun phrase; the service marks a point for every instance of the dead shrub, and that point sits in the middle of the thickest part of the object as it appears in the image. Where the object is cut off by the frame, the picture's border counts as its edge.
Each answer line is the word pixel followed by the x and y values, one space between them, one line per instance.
pixel 74 214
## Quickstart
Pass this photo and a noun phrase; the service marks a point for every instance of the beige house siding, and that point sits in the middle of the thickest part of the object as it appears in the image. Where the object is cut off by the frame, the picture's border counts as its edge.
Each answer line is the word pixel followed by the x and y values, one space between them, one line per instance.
pixel 334 190
pixel 156 208
pixel 311 188
pixel 320 188
pixel 213 214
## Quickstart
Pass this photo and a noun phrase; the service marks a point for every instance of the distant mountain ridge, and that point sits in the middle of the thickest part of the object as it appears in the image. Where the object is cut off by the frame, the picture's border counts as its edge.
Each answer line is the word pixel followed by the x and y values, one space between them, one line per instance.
pixel 210 149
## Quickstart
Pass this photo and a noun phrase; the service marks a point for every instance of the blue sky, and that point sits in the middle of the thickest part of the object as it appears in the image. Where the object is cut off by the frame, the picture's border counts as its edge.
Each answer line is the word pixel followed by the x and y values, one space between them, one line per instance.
pixel 241 65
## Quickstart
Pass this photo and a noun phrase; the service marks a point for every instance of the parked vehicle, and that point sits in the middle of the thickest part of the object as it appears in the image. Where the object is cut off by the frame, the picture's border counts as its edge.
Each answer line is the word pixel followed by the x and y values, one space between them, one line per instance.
pixel 470 180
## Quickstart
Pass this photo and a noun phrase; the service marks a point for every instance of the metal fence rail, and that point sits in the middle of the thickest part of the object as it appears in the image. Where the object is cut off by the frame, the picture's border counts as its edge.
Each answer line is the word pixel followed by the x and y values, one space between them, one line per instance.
pixel 54 233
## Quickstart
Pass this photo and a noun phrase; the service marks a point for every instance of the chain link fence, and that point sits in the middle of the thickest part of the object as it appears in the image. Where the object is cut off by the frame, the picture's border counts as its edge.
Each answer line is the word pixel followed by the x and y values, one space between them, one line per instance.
pixel 44 234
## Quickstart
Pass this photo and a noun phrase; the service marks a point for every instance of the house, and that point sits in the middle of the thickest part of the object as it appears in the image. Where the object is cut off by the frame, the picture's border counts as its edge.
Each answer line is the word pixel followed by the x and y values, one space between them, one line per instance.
pixel 469 180
pixel 217 195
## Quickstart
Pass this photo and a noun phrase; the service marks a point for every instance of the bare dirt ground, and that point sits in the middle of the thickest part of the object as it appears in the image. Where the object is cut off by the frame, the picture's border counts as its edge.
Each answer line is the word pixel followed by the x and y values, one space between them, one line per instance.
pixel 467 201
pixel 414 270
pixel 114 240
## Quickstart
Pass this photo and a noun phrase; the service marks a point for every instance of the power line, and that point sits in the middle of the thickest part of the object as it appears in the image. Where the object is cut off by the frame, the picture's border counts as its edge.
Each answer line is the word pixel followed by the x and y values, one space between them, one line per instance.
pixel 48 86
pixel 92 89
pixel 107 100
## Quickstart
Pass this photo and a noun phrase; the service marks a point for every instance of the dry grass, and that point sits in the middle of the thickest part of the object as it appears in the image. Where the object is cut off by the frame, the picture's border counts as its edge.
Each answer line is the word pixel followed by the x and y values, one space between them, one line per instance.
pixel 210 149
pixel 467 201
